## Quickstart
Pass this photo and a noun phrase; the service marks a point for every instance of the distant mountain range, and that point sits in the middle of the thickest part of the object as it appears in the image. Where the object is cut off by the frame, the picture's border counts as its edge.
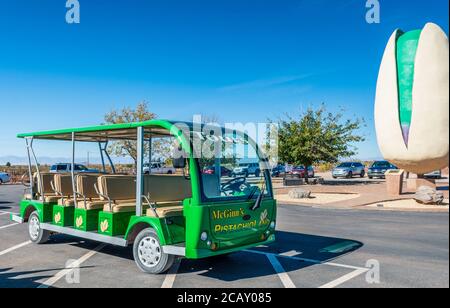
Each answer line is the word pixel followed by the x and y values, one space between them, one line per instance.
pixel 45 160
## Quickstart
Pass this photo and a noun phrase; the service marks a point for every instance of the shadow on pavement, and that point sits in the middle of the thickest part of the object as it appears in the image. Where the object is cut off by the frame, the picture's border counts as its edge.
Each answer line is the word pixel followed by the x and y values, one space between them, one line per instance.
pixel 228 268
pixel 26 279
pixel 244 265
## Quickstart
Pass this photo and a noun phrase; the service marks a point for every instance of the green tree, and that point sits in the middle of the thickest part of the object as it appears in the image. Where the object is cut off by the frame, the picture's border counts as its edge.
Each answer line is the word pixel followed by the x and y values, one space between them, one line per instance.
pixel 318 136
pixel 8 164
pixel 141 113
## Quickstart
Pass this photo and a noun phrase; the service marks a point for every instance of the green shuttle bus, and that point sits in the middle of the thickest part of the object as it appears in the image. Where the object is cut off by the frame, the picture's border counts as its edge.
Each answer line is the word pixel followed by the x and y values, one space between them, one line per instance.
pixel 200 211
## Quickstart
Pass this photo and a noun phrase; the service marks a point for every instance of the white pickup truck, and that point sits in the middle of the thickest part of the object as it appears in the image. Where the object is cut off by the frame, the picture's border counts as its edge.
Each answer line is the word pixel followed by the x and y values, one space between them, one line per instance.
pixel 158 168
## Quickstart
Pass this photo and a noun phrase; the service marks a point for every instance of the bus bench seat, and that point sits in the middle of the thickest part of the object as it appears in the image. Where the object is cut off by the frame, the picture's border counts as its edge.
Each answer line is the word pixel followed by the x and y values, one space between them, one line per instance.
pixel 166 211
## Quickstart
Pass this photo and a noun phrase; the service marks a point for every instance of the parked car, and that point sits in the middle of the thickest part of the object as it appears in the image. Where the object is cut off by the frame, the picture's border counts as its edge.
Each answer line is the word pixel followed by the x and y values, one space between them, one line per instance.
pixel 379 168
pixel 278 171
pixel 67 167
pixel 300 171
pixel 434 175
pixel 4 178
pixel 223 171
pixel 247 170
pixel 349 170
pixel 158 168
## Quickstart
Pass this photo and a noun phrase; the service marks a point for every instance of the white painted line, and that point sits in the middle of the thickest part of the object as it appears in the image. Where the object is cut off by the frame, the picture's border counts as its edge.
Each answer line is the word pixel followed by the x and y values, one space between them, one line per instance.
pixel 344 278
pixel 4 252
pixel 51 281
pixel 171 275
pixel 308 260
pixel 290 253
pixel 284 277
pixel 8 226
pixel 4 213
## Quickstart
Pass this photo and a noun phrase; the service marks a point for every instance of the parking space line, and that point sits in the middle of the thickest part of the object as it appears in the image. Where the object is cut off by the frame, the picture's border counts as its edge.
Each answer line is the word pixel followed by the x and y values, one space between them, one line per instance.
pixel 3 213
pixel 171 275
pixel 51 281
pixel 307 260
pixel 4 252
pixel 344 278
pixel 8 226
pixel 284 277
pixel 355 273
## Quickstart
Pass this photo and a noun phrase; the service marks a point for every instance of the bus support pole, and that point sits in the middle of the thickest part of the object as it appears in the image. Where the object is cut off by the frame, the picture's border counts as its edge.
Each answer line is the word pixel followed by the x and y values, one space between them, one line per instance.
pixel 72 171
pixel 30 168
pixel 102 157
pixel 139 169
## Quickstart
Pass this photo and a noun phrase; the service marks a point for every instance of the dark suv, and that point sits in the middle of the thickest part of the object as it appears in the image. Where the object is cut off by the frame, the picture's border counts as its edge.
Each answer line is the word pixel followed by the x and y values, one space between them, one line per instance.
pixel 379 168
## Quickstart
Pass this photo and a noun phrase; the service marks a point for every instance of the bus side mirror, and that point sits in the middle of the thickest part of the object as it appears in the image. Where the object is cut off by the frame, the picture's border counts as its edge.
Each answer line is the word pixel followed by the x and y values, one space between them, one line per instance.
pixel 179 163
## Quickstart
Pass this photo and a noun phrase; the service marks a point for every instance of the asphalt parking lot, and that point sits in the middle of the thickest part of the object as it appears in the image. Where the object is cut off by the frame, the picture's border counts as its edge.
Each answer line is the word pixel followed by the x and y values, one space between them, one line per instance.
pixel 314 248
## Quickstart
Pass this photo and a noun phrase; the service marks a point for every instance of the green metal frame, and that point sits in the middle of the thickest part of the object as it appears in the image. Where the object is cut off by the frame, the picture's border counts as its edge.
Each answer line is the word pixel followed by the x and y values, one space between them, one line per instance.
pixel 44 210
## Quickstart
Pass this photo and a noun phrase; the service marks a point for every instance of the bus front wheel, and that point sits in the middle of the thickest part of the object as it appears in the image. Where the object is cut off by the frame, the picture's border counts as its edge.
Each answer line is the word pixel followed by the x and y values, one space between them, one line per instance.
pixel 149 255
pixel 36 233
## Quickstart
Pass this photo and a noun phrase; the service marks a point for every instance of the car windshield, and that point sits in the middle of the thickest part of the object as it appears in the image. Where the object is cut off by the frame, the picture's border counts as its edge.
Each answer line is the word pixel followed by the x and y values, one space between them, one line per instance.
pixel 381 164
pixel 345 165
pixel 80 168
pixel 234 184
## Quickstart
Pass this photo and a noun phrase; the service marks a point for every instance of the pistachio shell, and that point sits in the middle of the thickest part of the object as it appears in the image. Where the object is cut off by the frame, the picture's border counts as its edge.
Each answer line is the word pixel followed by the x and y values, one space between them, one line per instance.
pixel 428 144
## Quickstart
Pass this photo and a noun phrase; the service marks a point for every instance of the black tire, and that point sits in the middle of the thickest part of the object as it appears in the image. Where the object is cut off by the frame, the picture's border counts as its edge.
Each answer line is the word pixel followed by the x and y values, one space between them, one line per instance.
pixel 36 234
pixel 1 181
pixel 145 246
pixel 370 177
pixel 169 172
pixel 350 175
pixel 335 177
pixel 246 174
pixel 363 174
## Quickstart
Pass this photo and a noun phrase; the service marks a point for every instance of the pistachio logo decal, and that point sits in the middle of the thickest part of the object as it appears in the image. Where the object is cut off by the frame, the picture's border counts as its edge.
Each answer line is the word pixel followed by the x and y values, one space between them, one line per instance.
pixel 263 218
pixel 412 100
pixel 79 221
pixel 104 225
pixel 233 220
pixel 58 217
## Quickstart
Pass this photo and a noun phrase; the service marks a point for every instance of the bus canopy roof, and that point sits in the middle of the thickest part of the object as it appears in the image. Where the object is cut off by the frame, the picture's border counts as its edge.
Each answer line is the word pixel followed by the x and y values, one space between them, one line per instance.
pixel 103 133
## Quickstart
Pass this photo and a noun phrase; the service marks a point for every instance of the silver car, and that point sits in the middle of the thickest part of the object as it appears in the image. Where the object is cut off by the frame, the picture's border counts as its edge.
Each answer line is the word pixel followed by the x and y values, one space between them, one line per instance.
pixel 349 170
pixel 4 178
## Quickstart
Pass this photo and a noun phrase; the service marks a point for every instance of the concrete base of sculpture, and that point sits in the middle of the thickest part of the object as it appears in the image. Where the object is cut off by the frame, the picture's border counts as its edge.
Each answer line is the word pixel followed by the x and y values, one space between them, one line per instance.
pixel 414 184
pixel 394 182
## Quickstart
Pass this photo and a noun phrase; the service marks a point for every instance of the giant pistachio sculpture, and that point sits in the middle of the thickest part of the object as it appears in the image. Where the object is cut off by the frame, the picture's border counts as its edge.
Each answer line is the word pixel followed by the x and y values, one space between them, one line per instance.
pixel 412 100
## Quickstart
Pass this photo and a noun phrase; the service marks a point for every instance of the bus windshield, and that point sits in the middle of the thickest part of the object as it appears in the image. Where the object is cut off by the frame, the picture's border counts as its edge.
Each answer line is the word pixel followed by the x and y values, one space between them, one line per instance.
pixel 234 171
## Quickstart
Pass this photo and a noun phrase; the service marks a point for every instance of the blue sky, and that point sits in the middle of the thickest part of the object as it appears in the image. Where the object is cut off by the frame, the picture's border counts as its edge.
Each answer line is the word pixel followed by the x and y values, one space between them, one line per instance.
pixel 241 60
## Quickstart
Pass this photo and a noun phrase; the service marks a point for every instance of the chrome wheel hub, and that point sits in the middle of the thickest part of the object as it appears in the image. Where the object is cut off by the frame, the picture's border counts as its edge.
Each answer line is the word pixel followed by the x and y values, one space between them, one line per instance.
pixel 34 228
pixel 149 251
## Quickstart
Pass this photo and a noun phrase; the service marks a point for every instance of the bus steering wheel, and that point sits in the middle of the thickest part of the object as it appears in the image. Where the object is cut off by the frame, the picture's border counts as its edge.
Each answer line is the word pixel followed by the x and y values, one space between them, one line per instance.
pixel 235 185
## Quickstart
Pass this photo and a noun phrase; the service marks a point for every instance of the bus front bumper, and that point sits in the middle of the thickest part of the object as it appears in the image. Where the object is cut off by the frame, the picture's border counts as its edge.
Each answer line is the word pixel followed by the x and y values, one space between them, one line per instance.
pixel 205 253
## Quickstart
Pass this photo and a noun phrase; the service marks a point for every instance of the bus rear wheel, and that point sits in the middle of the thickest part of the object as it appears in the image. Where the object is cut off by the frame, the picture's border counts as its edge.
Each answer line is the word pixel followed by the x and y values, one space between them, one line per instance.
pixel 36 233
pixel 149 255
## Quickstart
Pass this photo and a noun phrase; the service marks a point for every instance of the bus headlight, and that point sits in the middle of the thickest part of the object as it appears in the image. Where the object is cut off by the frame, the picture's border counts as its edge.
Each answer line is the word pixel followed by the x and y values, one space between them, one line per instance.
pixel 204 236
pixel 272 225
